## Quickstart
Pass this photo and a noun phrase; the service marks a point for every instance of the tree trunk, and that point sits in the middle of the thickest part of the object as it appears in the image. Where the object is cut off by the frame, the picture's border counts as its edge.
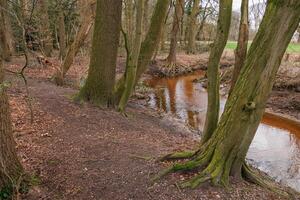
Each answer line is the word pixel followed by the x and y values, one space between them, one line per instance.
pixel 87 20
pixel 11 170
pixel 101 76
pixel 129 16
pixel 133 58
pixel 241 50
pixel 45 33
pixel 61 33
pixel 145 18
pixel 5 32
pixel 299 34
pixel 148 45
pixel 179 8
pixel 192 23
pixel 224 153
pixel 213 87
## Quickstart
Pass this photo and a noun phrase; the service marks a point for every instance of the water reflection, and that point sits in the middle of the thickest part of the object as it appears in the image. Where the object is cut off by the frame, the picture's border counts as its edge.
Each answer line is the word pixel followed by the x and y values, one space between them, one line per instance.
pixel 275 148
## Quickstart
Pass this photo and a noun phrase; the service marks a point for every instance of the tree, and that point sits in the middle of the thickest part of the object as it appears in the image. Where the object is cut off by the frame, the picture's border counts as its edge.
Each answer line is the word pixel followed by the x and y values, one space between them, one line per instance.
pixel 225 151
pixel 179 8
pixel 129 16
pixel 298 34
pixel 241 50
pixel 101 75
pixel 45 33
pixel 11 170
pixel 5 32
pixel 132 57
pixel 213 87
pixel 61 32
pixel 148 45
pixel 192 25
pixel 86 22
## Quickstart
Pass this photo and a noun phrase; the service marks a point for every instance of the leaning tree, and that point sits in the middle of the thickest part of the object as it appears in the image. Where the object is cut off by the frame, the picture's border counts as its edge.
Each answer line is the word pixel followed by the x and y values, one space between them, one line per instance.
pixel 223 155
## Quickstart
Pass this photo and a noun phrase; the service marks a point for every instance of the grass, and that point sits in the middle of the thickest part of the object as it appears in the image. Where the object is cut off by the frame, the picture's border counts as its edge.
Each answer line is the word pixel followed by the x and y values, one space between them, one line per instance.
pixel 292 48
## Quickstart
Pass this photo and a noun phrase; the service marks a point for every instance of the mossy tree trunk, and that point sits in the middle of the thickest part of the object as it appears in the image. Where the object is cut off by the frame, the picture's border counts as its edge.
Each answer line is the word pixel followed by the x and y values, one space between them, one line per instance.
pixel 86 23
pixel 129 18
pixel 45 33
pixel 213 87
pixel 299 34
pixel 179 8
pixel 148 45
pixel 11 170
pixel 192 26
pixel 133 57
pixel 224 153
pixel 5 32
pixel 102 70
pixel 241 50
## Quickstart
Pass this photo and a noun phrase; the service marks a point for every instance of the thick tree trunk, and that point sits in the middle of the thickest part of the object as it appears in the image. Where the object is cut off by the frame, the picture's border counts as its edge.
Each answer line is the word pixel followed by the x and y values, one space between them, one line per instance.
pixel 101 76
pixel 5 32
pixel 179 8
pixel 213 87
pixel 45 33
pixel 224 153
pixel 192 26
pixel 62 33
pixel 133 58
pixel 87 20
pixel 148 45
pixel 11 170
pixel 241 50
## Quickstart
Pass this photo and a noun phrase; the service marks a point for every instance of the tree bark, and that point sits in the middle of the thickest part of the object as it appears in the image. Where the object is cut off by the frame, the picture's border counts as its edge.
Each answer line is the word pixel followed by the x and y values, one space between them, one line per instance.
pixel 5 32
pixel 191 33
pixel 45 33
pixel 133 58
pixel 61 33
pixel 87 20
pixel 11 170
pixel 148 45
pixel 179 8
pixel 129 16
pixel 146 18
pixel 213 87
pixel 299 34
pixel 224 153
pixel 101 76
pixel 241 50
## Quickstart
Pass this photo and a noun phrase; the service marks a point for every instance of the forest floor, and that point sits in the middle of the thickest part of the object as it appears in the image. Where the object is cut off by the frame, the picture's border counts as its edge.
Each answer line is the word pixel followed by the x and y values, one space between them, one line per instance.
pixel 78 151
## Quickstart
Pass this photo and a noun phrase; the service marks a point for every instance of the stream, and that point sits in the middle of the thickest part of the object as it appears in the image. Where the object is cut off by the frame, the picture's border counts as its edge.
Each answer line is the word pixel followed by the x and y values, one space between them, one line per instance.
pixel 276 145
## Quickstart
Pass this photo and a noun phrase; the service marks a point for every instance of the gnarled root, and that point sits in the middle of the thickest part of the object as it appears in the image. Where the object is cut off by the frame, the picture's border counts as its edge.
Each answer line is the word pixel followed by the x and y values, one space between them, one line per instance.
pixel 252 175
pixel 177 156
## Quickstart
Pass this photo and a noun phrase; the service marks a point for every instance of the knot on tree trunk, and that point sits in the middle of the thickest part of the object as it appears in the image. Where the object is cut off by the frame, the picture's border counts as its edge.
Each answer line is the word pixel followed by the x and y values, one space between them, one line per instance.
pixel 250 106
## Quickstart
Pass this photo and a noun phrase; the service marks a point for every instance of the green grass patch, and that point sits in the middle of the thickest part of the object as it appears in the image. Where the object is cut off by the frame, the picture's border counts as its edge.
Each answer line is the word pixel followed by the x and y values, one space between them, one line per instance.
pixel 292 48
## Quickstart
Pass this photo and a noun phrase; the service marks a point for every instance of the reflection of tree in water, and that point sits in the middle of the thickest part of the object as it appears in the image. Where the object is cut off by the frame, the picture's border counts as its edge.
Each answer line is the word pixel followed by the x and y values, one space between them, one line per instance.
pixel 160 100
pixel 171 84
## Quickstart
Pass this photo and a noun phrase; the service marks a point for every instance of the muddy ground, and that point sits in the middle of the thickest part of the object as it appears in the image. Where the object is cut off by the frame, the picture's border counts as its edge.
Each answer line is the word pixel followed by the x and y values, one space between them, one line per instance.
pixel 78 151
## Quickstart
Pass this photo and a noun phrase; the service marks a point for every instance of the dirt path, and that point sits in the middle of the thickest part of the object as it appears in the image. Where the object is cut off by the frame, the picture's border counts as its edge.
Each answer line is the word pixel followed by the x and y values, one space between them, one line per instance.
pixel 84 152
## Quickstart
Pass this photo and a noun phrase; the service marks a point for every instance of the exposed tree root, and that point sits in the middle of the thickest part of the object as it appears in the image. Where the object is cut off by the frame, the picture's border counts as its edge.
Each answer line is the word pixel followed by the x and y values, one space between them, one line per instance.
pixel 171 69
pixel 252 175
pixel 177 156
pixel 215 167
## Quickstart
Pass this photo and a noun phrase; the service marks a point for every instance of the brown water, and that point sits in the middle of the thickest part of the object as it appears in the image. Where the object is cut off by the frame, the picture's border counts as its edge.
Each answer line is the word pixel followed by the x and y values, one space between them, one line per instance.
pixel 275 148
